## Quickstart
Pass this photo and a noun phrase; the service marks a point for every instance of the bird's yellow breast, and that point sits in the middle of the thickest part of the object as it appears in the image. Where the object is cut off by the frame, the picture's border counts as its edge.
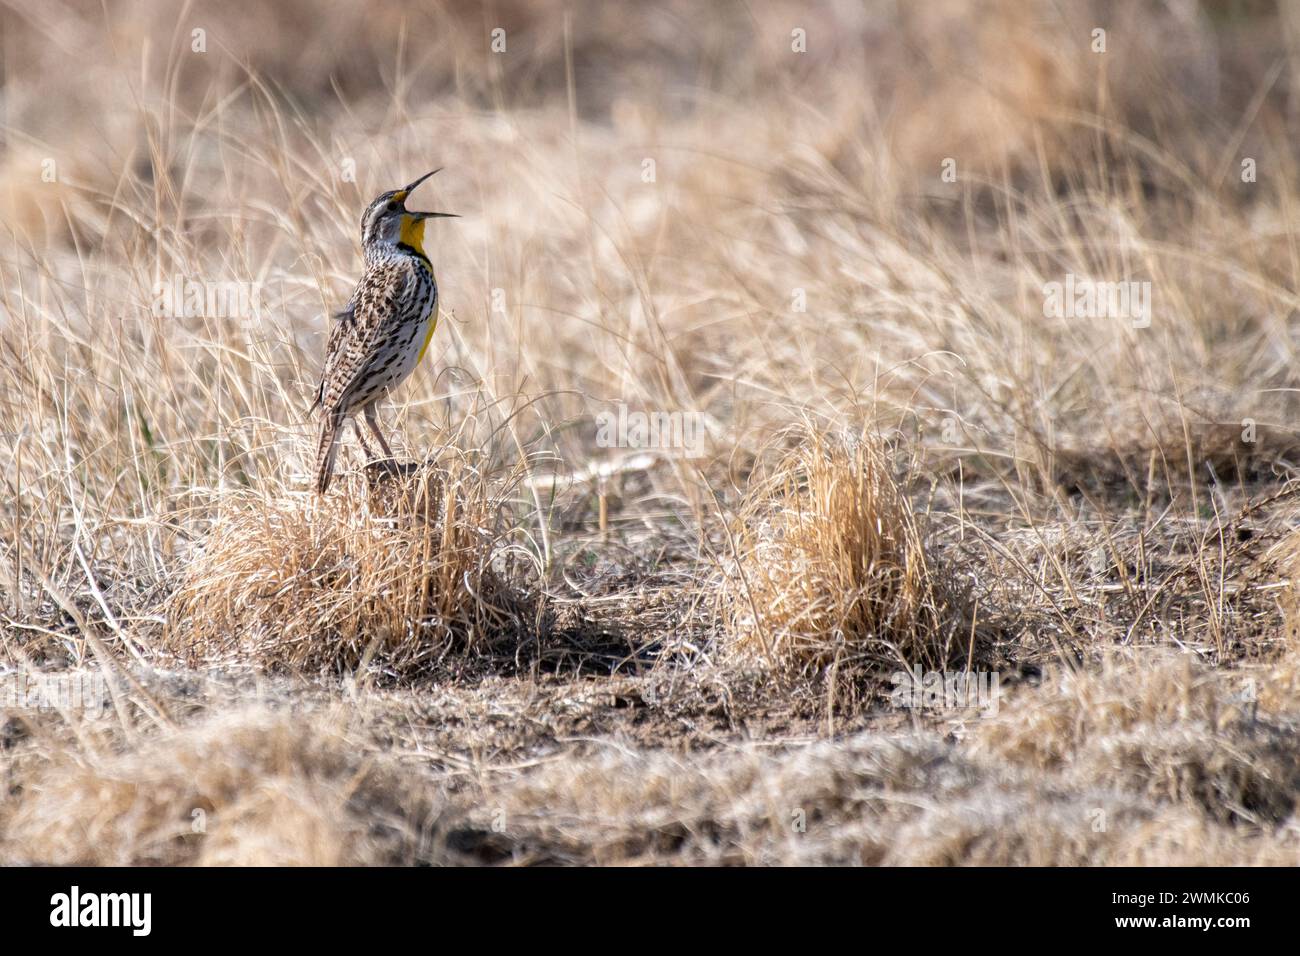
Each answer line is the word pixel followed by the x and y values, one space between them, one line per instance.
pixel 413 234
pixel 428 335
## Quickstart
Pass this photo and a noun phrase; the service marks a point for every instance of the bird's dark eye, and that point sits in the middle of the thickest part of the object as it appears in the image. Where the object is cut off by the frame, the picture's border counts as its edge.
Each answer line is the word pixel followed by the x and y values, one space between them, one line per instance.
pixel 392 207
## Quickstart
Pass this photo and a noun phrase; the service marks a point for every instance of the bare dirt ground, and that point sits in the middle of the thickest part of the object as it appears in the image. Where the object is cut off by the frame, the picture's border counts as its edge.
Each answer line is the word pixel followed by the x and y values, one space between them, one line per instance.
pixel 838 253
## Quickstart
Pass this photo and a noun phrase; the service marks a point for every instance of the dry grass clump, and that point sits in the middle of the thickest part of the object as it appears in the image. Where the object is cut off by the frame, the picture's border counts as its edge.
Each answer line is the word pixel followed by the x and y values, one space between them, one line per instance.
pixel 831 574
pixel 1169 728
pixel 248 787
pixel 401 577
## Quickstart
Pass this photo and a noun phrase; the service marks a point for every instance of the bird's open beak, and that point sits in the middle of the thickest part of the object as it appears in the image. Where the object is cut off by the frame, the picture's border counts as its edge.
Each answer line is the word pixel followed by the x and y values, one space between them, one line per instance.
pixel 411 188
pixel 402 194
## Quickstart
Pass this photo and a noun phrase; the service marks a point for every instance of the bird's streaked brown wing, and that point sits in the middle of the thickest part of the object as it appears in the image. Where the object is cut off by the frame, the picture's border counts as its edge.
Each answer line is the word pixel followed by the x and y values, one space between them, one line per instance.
pixel 341 329
pixel 377 303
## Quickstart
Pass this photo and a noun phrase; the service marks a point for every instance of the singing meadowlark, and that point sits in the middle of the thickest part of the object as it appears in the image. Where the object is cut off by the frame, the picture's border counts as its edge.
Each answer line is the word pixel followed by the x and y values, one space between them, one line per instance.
pixel 382 334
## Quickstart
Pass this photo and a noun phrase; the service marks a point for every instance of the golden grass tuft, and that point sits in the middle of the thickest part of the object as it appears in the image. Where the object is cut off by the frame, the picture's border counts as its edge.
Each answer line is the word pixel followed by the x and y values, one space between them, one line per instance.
pixel 398 573
pixel 830 572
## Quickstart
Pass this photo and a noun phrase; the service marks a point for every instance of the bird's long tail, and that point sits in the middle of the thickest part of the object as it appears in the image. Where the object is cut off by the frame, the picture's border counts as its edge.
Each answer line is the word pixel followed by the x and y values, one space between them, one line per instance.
pixel 327 450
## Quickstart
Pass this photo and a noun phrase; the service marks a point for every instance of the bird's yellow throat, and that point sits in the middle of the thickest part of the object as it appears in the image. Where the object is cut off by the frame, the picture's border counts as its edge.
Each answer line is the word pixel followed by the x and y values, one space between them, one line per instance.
pixel 413 234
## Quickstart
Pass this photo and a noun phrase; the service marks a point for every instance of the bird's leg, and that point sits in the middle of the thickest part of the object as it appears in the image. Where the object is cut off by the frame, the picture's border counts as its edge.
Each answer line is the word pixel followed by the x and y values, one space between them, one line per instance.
pixel 372 420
